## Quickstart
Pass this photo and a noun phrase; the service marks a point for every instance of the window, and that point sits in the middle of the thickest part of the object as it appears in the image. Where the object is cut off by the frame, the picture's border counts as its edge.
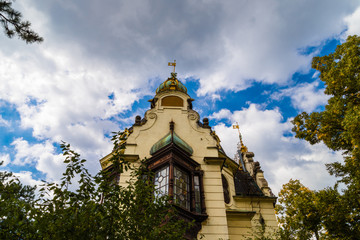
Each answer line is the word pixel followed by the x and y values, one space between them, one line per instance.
pixel 181 188
pixel 180 177
pixel 185 187
pixel 113 175
pixel 162 181
pixel 116 179
pixel 197 194
pixel 226 191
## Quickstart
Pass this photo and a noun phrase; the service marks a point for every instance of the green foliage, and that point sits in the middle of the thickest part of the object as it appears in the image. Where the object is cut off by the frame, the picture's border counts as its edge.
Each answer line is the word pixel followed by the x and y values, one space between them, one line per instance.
pixel 306 214
pixel 338 127
pixel 16 204
pixel 298 212
pixel 13 25
pixel 334 210
pixel 97 209
pixel 262 232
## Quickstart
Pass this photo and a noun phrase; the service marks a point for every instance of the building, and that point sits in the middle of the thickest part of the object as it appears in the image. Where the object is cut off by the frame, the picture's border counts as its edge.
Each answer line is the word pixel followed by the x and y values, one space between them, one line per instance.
pixel 228 199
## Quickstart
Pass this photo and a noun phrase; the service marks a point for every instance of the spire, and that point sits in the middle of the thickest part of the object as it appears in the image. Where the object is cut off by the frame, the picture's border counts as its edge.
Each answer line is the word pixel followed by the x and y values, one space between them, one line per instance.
pixel 242 149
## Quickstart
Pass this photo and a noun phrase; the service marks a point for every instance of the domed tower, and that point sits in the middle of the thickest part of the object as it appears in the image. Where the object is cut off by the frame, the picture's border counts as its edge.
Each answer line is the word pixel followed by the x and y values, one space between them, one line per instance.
pixel 223 198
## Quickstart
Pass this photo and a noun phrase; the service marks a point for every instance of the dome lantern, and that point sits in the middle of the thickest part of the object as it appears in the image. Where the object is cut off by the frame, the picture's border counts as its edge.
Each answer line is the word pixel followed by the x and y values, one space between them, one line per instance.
pixel 172 84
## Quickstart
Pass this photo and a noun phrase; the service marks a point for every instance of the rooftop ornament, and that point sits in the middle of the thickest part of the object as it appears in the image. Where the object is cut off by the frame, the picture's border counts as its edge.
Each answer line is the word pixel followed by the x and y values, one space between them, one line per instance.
pixel 243 149
pixel 172 83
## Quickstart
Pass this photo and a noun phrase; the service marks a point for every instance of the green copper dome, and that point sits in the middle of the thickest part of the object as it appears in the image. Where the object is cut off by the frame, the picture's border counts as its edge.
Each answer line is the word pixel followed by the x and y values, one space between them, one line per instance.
pixel 172 83
pixel 168 139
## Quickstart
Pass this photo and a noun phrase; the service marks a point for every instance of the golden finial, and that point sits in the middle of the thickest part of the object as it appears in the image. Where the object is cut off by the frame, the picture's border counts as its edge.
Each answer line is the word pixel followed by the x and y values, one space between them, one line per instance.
pixel 243 147
pixel 172 64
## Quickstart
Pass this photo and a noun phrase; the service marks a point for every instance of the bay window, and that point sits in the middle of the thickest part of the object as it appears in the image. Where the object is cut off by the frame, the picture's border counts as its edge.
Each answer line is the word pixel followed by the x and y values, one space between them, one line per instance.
pixel 179 177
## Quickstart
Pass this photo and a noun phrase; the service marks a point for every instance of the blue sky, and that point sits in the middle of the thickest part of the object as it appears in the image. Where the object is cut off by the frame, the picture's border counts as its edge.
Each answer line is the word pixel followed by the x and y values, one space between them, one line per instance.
pixel 242 61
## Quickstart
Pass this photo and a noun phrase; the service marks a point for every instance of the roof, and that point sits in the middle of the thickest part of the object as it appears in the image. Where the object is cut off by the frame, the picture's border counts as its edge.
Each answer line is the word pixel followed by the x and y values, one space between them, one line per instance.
pixel 169 138
pixel 245 185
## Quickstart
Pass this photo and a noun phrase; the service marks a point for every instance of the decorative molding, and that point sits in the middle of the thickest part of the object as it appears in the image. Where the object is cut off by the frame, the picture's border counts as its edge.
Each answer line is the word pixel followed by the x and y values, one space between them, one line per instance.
pixel 131 157
pixel 193 116
pixel 255 199
pixel 237 212
pixel 214 160
pixel 152 115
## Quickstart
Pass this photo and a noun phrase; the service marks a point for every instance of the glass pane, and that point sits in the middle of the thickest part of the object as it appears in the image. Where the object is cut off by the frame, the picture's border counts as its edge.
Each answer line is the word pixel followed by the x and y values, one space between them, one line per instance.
pixel 117 179
pixel 181 188
pixel 161 181
pixel 196 180
pixel 197 194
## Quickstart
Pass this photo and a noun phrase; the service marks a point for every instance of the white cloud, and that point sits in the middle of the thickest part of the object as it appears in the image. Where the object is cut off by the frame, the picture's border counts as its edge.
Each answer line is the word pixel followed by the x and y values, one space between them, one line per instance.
pixel 5 158
pixel 222 114
pixel 262 41
pixel 92 50
pixel 26 178
pixel 353 23
pixel 66 101
pixel 305 97
pixel 227 44
pixel 281 156
pixel 42 155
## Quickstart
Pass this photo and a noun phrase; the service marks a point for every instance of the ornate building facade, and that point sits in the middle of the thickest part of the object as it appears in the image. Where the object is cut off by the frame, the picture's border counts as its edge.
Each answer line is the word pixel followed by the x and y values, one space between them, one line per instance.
pixel 228 199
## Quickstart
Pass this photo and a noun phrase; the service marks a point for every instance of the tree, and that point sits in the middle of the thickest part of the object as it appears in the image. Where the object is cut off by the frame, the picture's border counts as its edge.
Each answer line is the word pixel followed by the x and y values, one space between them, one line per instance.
pixel 16 203
pixel 97 209
pixel 12 22
pixel 338 127
pixel 299 216
pixel 306 214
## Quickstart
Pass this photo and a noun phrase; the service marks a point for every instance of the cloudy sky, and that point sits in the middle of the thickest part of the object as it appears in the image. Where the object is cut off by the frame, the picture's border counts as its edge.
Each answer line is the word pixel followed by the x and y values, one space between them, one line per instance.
pixel 242 61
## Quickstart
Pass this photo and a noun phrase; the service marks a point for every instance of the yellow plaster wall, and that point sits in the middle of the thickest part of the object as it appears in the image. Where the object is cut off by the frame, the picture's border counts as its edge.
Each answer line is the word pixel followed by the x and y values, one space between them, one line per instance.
pixel 215 227
pixel 240 229
pixel 157 126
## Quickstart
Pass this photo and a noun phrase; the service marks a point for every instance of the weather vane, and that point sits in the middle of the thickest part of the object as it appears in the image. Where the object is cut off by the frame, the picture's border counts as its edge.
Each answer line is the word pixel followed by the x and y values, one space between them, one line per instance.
pixel 172 64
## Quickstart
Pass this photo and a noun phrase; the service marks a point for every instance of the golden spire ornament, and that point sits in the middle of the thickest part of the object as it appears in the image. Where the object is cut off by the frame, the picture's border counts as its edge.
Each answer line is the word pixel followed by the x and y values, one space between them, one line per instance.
pixel 241 151
pixel 243 147
pixel 172 64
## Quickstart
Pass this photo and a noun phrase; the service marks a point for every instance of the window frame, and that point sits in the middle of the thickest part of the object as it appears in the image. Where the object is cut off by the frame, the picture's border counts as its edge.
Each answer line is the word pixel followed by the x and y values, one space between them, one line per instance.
pixel 113 175
pixel 175 157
